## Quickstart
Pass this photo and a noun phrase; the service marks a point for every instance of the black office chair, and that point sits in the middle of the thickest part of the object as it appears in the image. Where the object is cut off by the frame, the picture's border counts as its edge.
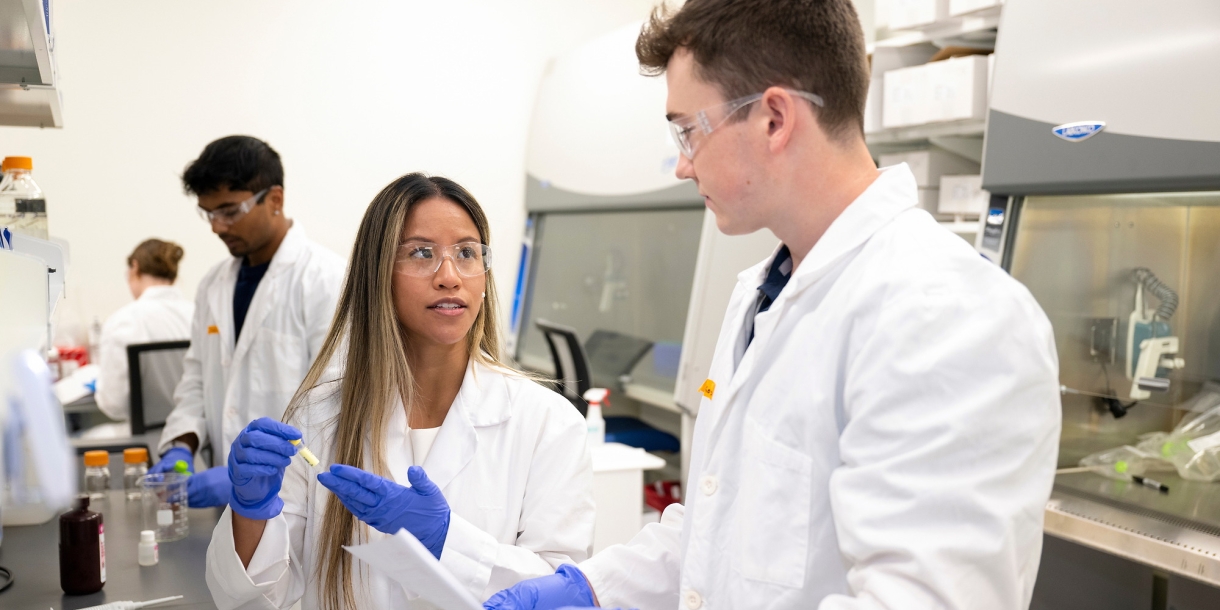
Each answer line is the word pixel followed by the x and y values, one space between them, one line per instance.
pixel 153 370
pixel 572 377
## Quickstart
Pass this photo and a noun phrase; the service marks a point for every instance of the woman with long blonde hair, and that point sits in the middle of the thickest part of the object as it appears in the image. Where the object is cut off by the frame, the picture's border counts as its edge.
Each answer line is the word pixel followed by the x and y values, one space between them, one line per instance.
pixel 422 426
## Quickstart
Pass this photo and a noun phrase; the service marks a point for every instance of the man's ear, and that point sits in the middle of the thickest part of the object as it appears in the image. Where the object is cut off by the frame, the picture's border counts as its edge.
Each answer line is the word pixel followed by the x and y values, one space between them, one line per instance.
pixel 780 108
pixel 275 197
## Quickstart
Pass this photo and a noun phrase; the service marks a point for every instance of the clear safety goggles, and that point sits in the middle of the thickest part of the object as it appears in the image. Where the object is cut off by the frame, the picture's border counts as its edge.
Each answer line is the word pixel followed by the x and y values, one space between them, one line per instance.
pixel 230 213
pixel 683 128
pixel 423 259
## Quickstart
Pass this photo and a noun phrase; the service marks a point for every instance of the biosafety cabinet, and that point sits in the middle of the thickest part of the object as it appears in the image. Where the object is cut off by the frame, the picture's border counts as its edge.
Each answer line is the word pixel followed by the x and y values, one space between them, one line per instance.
pixel 1103 151
pixel 617 249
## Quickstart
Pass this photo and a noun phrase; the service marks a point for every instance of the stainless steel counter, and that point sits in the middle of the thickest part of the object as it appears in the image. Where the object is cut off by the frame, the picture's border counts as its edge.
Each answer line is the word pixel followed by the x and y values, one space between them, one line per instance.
pixel 1178 532
pixel 32 553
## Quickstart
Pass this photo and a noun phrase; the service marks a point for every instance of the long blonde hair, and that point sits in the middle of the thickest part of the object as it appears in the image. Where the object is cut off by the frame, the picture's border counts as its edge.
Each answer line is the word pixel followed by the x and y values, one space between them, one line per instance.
pixel 376 370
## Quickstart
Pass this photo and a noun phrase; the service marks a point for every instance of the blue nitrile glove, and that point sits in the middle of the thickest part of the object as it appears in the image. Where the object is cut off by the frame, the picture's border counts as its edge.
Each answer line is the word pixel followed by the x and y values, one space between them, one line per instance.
pixel 387 506
pixel 171 457
pixel 209 488
pixel 257 461
pixel 566 587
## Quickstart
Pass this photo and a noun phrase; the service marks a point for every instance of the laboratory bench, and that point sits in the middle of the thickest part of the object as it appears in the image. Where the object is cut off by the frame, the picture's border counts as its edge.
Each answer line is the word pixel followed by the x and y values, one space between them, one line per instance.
pixel 32 554
pixel 1117 545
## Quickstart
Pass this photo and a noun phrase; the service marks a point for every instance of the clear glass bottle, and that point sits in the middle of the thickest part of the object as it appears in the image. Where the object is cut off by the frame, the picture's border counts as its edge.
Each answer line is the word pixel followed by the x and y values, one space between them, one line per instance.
pixel 22 205
pixel 135 465
pixel 97 474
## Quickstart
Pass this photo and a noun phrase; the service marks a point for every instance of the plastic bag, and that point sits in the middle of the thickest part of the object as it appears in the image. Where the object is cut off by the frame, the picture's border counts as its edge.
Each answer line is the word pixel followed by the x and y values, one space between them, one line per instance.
pixel 1120 462
pixel 1194 447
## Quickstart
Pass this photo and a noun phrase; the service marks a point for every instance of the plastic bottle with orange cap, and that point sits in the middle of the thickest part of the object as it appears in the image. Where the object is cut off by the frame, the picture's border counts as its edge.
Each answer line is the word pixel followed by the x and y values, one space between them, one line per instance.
pixel 23 209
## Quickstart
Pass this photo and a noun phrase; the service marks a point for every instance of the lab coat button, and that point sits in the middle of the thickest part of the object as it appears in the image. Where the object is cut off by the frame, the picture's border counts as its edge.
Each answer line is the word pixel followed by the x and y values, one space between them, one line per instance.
pixel 694 601
pixel 708 485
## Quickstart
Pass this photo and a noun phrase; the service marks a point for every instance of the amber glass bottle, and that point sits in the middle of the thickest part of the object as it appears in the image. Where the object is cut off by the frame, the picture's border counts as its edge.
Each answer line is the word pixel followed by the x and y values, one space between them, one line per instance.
pixel 82 550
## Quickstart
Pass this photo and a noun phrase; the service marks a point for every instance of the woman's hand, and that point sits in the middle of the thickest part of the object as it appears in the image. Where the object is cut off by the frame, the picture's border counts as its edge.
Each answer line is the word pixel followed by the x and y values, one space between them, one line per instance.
pixel 257 461
pixel 389 507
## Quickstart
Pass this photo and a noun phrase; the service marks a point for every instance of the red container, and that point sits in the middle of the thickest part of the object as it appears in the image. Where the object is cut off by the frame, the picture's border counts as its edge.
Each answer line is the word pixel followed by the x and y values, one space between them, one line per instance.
pixel 662 493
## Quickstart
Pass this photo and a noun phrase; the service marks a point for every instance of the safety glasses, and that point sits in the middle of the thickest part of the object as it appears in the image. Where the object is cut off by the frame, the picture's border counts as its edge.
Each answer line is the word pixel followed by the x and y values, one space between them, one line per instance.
pixel 423 259
pixel 684 128
pixel 230 213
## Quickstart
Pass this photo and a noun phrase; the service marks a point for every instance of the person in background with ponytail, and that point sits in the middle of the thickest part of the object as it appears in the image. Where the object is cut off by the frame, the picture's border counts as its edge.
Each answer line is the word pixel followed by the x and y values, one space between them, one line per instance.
pixel 159 313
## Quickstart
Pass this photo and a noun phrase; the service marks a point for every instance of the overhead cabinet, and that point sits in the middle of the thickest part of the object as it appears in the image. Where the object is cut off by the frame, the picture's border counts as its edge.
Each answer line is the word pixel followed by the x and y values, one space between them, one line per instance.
pixel 28 93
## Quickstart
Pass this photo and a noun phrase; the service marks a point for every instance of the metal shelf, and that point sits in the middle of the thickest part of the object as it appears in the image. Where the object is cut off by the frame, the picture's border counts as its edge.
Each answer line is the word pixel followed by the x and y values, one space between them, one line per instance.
pixel 28 97
pixel 920 133
pixel 971 29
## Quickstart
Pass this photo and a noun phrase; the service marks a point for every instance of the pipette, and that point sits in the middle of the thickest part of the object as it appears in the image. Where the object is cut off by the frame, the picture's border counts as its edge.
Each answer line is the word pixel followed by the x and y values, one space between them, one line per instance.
pixel 132 605
pixel 305 453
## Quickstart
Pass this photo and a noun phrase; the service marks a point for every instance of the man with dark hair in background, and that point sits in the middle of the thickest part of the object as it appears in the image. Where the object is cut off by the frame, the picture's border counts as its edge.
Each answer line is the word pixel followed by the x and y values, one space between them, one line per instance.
pixel 880 424
pixel 260 316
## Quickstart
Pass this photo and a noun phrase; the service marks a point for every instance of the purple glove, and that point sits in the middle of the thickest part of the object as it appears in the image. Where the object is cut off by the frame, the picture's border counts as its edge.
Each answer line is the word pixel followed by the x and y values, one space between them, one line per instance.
pixel 566 587
pixel 171 457
pixel 389 507
pixel 257 461
pixel 209 488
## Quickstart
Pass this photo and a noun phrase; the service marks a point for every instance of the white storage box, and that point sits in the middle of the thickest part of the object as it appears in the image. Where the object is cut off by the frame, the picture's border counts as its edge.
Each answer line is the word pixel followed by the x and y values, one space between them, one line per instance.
pixel 950 90
pixel 961 7
pixel 905 14
pixel 905 102
pixel 929 165
pixel 963 195
pixel 873 104
pixel 957 89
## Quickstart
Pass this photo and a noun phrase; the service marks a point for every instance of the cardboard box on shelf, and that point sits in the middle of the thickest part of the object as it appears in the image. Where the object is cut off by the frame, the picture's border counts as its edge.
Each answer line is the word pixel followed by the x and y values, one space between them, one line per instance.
pixel 963 195
pixel 929 165
pixel 961 7
pixel 873 104
pixel 906 14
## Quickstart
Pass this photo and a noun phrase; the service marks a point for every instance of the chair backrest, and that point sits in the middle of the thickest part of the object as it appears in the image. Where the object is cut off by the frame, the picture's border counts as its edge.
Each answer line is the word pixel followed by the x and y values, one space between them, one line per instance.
pixel 613 354
pixel 153 370
pixel 568 355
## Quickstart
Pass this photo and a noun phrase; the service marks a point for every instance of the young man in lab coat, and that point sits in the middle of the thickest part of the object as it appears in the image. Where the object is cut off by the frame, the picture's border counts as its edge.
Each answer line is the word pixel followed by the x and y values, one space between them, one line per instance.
pixel 880 423
pixel 260 316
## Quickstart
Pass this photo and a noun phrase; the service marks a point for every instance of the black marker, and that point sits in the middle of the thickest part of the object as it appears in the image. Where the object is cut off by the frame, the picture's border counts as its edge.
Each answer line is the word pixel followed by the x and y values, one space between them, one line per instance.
pixel 1157 485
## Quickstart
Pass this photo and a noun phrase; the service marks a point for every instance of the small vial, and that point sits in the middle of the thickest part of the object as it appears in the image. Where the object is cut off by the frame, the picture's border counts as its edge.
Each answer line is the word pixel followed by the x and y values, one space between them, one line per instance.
pixel 148 553
pixel 135 465
pixel 97 474
pixel 305 453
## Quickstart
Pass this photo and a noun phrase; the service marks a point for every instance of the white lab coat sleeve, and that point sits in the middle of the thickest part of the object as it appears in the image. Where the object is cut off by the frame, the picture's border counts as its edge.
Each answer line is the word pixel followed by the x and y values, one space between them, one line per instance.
pixel 275 577
pixel 949 441
pixel 643 573
pixel 188 413
pixel 113 393
pixel 556 523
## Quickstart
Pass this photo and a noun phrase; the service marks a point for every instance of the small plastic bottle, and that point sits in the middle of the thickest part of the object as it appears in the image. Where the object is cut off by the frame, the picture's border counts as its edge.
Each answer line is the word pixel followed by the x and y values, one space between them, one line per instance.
pixel 82 550
pixel 97 474
pixel 148 553
pixel 22 205
pixel 596 397
pixel 135 465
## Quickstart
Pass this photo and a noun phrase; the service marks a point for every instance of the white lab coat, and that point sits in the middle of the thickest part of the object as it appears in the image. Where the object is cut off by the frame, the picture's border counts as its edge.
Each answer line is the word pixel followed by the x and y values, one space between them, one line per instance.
pixel 888 440
pixel 510 458
pixel 160 314
pixel 225 386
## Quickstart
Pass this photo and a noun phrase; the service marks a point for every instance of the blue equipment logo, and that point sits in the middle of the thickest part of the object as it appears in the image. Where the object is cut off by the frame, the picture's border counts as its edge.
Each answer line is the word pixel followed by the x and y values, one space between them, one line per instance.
pixel 1079 131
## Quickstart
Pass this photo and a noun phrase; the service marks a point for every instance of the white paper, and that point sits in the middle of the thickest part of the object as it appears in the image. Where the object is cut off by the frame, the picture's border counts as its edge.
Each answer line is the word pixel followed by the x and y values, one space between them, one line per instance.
pixel 406 561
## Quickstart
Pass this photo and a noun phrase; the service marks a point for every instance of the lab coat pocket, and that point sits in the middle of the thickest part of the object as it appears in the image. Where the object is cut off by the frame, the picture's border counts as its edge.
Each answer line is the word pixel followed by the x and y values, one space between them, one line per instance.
pixel 775 500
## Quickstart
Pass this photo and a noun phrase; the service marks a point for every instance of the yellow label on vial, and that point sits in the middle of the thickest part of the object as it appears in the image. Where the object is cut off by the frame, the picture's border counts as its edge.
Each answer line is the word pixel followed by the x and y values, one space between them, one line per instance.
pixel 708 389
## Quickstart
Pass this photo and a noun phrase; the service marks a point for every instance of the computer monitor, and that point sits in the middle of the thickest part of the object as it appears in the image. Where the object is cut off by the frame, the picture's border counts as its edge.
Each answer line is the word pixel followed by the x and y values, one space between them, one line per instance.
pixel 154 370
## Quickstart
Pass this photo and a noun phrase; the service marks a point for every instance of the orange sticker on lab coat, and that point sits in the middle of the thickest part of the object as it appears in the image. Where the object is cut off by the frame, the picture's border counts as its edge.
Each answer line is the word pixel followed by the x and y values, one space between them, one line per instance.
pixel 213 330
pixel 708 388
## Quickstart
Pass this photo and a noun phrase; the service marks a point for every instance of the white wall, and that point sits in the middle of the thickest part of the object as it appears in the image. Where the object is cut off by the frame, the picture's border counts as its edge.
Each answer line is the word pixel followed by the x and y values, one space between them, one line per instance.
pixel 352 95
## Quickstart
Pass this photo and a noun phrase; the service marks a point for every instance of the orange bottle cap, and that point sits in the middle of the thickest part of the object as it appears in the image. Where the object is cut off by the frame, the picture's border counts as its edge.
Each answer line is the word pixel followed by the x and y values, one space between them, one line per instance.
pixel 17 163
pixel 97 458
pixel 135 455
